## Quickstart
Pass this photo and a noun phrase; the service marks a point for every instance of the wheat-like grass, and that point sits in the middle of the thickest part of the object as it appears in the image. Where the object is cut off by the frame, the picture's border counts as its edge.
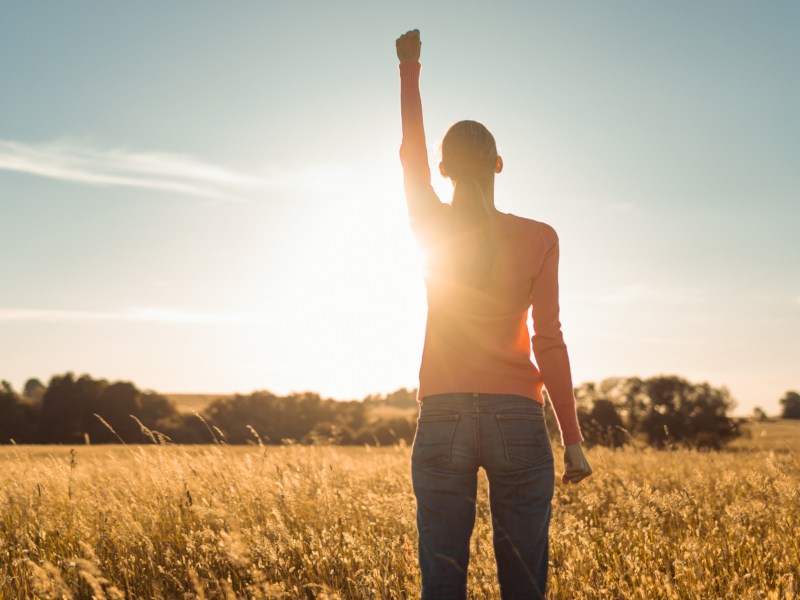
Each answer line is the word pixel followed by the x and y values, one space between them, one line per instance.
pixel 329 522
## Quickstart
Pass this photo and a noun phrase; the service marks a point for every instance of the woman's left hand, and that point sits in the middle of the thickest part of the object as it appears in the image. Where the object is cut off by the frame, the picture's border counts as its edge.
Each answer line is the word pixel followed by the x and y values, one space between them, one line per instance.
pixel 576 467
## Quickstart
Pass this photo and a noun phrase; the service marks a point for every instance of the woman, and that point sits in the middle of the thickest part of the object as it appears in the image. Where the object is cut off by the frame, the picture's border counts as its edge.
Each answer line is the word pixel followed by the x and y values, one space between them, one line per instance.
pixel 480 394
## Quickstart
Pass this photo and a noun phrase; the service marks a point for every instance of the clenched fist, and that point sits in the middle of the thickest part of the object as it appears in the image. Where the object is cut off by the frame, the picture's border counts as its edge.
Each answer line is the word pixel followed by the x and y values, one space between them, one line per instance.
pixel 576 467
pixel 408 45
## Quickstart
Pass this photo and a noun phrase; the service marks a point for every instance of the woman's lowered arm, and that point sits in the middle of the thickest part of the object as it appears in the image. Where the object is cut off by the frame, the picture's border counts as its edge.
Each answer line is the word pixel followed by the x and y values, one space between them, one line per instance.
pixel 551 356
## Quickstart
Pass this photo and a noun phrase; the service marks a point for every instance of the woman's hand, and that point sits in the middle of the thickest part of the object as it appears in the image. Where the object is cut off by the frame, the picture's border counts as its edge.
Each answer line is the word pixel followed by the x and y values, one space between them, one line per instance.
pixel 408 45
pixel 575 463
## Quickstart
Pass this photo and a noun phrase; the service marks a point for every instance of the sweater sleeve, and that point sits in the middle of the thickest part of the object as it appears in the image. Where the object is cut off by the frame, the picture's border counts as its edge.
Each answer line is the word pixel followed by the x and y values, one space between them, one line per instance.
pixel 548 344
pixel 424 207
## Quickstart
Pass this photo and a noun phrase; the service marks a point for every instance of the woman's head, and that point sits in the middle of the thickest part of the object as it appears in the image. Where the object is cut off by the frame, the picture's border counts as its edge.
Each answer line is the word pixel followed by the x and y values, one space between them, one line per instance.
pixel 469 149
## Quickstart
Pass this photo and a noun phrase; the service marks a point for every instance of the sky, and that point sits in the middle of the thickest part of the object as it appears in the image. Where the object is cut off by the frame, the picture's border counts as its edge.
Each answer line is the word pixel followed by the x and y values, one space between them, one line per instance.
pixel 206 197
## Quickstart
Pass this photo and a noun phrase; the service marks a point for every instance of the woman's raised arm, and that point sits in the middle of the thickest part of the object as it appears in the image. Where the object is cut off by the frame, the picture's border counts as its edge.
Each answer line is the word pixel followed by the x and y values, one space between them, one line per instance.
pixel 424 206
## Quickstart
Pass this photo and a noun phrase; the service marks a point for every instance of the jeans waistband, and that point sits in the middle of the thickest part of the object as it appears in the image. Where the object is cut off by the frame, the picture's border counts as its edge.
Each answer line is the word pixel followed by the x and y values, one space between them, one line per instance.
pixel 478 400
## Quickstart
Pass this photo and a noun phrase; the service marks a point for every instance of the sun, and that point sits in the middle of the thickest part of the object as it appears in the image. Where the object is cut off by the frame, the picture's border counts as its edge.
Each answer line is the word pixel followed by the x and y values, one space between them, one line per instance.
pixel 345 296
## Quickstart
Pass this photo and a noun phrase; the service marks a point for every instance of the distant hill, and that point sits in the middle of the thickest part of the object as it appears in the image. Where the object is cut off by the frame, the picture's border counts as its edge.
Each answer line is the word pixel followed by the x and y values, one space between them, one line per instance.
pixel 394 406
pixel 782 435
pixel 189 403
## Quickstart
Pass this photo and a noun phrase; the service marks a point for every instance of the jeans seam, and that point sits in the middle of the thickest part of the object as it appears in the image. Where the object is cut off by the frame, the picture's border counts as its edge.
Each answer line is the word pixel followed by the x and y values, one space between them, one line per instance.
pixel 477 438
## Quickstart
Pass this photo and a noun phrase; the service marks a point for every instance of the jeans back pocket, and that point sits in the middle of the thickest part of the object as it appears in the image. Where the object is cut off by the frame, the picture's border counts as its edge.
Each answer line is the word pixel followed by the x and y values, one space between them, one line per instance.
pixel 433 441
pixel 525 438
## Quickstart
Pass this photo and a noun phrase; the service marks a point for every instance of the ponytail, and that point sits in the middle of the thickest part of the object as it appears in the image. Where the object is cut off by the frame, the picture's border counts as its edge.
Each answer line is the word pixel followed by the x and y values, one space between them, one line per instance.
pixel 473 232
pixel 469 156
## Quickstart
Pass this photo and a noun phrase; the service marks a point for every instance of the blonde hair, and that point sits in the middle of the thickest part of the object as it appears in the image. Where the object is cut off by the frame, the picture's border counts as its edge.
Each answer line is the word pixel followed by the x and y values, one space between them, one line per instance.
pixel 469 157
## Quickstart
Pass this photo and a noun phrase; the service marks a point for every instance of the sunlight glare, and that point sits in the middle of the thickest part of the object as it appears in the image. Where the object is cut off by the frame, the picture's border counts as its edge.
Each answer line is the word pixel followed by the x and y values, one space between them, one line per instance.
pixel 353 280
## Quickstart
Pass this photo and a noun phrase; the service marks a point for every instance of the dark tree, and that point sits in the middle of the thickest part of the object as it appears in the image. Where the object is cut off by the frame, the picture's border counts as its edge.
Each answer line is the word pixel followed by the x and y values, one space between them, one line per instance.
pixel 34 389
pixel 18 420
pixel 791 405
pixel 70 409
pixel 604 425
pixel 692 415
pixel 115 406
pixel 276 419
pixel 67 408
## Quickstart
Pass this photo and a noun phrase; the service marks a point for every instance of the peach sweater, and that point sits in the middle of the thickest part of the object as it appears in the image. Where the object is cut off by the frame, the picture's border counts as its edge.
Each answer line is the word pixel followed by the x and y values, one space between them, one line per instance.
pixel 477 340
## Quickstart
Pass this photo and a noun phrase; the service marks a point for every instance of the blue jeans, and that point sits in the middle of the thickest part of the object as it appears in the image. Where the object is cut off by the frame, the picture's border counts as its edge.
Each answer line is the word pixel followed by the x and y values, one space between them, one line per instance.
pixel 507 436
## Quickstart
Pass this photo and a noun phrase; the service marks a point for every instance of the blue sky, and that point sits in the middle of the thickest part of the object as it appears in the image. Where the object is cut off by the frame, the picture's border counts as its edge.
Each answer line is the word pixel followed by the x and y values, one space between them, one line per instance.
pixel 206 197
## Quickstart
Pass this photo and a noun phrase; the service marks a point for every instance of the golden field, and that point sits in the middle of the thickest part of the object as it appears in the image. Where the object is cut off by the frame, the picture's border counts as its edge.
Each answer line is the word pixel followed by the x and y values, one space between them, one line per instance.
pixel 334 522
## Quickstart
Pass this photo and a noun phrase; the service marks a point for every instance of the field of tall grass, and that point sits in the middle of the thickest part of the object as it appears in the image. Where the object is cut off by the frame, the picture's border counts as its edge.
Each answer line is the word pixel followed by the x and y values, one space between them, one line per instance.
pixel 327 522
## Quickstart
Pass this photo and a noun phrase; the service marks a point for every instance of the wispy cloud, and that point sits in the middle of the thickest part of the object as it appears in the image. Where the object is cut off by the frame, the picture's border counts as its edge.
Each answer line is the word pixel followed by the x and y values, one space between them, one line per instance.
pixel 81 163
pixel 130 314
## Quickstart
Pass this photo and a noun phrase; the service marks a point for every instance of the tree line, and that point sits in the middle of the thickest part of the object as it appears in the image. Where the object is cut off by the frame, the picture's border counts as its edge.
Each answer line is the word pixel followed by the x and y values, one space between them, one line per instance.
pixel 76 410
pixel 661 411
